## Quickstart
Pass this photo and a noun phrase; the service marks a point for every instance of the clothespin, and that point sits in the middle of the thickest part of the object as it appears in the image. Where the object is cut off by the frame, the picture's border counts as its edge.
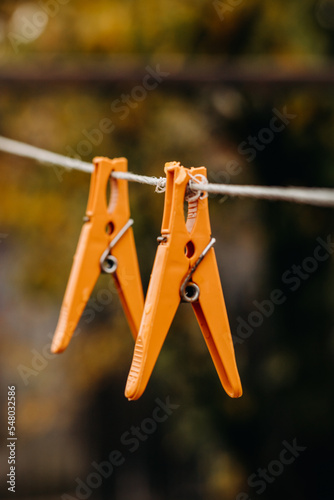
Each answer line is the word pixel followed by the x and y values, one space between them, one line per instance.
pixel 185 268
pixel 106 245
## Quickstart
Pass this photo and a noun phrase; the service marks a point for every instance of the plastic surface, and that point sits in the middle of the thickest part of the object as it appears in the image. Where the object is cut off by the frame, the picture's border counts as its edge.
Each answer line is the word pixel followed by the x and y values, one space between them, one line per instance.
pixel 181 246
pixel 102 224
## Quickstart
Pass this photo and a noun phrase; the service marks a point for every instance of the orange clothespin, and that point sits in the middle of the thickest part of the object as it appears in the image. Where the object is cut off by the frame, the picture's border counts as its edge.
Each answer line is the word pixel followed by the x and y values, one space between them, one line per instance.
pixel 107 245
pixel 185 268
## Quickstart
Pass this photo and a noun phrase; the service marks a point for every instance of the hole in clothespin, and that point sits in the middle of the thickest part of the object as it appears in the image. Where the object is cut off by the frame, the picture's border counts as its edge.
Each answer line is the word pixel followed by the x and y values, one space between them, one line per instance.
pixel 110 228
pixel 189 249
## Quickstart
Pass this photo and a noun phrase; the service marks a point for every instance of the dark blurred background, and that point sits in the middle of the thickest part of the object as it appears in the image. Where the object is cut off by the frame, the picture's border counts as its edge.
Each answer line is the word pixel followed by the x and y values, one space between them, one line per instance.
pixel 224 70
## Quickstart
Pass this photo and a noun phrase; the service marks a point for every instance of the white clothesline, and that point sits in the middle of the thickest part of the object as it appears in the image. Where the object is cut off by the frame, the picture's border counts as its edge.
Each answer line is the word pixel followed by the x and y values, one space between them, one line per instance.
pixel 310 196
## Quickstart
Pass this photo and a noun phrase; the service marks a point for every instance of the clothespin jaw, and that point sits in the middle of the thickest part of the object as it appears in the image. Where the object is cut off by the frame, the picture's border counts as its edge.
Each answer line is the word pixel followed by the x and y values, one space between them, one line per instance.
pixel 106 244
pixel 185 267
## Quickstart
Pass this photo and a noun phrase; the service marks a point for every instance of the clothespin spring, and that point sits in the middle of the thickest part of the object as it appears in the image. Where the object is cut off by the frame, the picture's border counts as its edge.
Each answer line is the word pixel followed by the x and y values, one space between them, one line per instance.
pixel 189 291
pixel 108 262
